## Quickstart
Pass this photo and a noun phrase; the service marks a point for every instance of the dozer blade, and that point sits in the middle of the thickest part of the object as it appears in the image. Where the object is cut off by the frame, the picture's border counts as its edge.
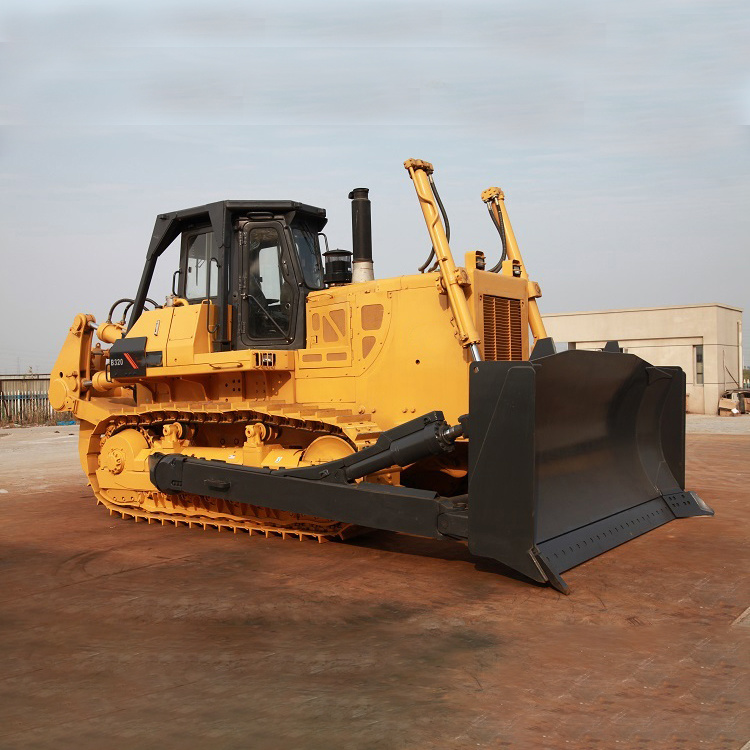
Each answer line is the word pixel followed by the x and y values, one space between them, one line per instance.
pixel 571 456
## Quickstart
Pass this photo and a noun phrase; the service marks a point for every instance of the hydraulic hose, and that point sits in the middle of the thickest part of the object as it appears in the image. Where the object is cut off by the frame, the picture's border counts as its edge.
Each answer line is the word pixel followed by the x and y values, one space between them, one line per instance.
pixel 446 223
pixel 112 309
pixel 132 302
pixel 500 226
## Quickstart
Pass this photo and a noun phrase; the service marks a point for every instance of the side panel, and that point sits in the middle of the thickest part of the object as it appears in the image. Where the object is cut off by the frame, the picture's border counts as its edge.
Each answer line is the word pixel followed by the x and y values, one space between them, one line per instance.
pixel 155 326
pixel 394 347
pixel 673 425
pixel 502 465
pixel 329 337
pixel 391 347
pixel 189 333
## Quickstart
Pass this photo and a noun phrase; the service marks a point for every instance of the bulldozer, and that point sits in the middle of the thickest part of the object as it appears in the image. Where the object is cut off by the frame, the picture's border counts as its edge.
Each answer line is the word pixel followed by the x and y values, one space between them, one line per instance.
pixel 285 391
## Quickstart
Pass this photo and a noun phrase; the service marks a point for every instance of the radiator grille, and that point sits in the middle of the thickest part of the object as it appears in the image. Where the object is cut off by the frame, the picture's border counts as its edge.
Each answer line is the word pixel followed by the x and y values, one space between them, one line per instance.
pixel 503 329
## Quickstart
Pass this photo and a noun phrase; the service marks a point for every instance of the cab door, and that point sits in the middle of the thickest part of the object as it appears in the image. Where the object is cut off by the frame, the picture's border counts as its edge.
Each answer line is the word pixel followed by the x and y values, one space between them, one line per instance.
pixel 269 290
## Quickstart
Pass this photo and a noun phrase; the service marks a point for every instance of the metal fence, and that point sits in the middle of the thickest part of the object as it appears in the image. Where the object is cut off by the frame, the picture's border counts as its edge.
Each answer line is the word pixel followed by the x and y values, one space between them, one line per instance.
pixel 23 401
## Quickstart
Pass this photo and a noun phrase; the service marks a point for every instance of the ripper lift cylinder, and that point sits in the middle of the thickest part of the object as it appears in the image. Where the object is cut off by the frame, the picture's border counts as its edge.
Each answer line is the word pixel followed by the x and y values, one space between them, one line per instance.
pixel 495 199
pixel 419 171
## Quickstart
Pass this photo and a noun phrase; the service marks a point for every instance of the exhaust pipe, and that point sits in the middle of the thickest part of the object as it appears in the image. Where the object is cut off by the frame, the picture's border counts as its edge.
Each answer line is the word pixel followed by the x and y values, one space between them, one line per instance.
pixel 361 236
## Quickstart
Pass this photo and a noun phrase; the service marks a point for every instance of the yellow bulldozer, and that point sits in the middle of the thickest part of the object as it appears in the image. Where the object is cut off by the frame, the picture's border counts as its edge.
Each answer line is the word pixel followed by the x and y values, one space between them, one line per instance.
pixel 285 391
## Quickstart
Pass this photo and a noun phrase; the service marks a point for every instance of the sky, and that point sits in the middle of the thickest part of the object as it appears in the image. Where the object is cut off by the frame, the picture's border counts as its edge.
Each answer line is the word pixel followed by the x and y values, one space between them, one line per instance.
pixel 619 132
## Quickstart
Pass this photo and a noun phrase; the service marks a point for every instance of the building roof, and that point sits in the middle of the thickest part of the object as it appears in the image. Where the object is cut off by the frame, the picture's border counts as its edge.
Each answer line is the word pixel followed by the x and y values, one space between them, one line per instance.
pixel 645 309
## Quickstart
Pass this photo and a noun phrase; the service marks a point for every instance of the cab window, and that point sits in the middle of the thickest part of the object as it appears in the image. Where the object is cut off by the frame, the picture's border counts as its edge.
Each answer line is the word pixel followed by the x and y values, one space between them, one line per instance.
pixel 269 295
pixel 308 251
pixel 200 270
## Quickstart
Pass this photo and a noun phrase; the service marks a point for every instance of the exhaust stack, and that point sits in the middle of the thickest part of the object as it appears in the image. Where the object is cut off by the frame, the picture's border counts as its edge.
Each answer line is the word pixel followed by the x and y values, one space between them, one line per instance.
pixel 361 236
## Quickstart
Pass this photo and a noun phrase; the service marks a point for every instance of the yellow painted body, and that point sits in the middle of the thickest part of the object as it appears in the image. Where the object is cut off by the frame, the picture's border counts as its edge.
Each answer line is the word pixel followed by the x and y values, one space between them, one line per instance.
pixel 377 354
pixel 385 348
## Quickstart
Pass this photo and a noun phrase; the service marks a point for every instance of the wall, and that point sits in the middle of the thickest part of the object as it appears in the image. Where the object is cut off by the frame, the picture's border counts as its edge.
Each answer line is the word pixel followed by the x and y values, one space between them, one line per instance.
pixel 23 401
pixel 666 336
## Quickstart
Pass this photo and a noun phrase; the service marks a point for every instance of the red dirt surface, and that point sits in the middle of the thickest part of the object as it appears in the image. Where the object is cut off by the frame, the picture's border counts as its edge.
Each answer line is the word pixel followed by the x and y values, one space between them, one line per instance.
pixel 122 635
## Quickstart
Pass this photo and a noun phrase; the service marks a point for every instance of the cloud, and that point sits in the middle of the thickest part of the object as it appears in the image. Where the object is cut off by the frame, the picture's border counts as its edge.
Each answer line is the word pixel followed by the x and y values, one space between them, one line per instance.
pixel 618 130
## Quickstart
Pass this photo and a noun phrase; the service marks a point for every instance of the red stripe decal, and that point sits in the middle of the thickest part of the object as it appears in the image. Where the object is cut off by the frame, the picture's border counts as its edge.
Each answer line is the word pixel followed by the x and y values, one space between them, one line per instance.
pixel 133 363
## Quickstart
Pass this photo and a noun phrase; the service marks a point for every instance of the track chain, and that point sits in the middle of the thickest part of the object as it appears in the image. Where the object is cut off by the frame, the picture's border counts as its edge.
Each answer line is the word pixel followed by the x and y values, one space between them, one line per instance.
pixel 359 430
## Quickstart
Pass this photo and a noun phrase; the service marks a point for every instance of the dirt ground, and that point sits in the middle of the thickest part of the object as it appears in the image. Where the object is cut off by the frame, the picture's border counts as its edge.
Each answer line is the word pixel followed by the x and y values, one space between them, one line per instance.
pixel 122 635
pixel 713 424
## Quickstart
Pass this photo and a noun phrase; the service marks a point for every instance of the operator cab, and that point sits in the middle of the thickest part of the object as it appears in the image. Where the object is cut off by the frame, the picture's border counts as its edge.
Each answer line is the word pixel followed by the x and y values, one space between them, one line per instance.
pixel 255 260
pixel 276 270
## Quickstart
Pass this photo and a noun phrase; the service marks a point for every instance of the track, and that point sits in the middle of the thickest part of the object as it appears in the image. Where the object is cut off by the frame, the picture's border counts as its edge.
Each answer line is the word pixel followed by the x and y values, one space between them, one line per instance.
pixel 222 427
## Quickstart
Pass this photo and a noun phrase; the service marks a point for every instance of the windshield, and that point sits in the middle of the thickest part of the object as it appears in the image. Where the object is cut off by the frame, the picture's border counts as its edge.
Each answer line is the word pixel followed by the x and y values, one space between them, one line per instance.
pixel 308 251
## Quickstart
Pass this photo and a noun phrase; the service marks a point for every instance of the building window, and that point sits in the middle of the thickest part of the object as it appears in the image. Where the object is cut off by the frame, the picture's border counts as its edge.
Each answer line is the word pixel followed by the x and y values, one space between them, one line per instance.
pixel 698 364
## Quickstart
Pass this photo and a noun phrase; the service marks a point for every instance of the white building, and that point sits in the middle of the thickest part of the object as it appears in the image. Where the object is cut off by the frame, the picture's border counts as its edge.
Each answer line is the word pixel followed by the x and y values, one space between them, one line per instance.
pixel 704 340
